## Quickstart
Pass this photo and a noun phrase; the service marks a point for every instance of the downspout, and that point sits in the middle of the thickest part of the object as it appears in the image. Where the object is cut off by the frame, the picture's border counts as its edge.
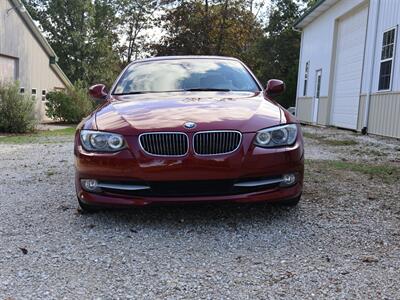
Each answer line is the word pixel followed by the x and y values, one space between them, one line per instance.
pixel 298 71
pixel 364 130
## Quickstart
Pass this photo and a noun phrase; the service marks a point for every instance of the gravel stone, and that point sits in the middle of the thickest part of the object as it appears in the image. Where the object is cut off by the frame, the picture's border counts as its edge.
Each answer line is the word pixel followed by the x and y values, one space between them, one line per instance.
pixel 341 242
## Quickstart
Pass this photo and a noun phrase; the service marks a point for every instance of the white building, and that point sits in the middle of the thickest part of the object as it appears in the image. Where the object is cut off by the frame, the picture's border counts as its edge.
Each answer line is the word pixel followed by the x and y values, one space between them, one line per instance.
pixel 26 56
pixel 349 71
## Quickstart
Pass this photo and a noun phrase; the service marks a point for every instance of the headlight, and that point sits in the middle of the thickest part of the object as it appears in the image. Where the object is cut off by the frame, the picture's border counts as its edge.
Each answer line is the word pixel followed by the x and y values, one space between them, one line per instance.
pixel 283 135
pixel 100 141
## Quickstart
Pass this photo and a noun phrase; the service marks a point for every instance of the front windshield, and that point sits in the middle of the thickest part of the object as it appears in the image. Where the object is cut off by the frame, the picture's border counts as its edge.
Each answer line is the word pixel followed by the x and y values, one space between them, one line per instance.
pixel 185 75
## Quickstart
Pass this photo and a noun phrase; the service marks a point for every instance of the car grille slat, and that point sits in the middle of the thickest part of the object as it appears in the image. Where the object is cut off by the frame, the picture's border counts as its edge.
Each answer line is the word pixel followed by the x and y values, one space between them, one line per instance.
pixel 164 143
pixel 216 142
pixel 169 143
pixel 177 143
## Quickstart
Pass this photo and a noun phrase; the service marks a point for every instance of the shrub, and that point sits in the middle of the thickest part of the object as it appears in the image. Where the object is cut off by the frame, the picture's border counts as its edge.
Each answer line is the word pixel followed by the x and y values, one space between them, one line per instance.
pixel 71 105
pixel 17 113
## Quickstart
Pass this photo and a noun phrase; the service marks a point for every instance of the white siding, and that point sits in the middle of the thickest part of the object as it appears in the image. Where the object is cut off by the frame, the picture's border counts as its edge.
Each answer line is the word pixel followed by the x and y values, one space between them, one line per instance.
pixel 384 114
pixel 317 45
pixel 389 17
pixel 17 40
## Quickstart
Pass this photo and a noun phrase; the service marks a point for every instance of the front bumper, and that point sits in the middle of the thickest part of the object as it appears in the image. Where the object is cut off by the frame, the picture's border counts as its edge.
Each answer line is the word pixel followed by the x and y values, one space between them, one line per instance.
pixel 133 165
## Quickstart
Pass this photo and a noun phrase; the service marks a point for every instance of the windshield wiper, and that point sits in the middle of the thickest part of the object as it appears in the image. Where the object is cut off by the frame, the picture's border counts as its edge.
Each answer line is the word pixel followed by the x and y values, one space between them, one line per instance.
pixel 207 90
pixel 172 91
pixel 130 93
pixel 146 92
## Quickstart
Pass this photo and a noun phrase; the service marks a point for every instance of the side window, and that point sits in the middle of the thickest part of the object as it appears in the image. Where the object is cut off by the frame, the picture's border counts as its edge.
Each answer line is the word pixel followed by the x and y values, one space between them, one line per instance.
pixel 44 93
pixel 306 78
pixel 22 90
pixel 318 87
pixel 387 59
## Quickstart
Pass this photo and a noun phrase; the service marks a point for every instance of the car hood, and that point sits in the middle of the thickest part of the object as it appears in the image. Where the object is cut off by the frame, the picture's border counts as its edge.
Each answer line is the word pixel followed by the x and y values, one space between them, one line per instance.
pixel 135 114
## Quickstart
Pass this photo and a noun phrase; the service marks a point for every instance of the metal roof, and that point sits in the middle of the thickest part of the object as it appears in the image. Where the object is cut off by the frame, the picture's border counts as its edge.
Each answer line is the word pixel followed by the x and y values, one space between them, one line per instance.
pixel 314 12
pixel 41 39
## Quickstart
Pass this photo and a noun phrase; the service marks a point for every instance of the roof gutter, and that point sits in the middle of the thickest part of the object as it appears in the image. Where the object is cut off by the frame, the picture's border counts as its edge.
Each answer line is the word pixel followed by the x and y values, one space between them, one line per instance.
pixel 307 13
pixel 31 24
pixel 43 42
pixel 296 29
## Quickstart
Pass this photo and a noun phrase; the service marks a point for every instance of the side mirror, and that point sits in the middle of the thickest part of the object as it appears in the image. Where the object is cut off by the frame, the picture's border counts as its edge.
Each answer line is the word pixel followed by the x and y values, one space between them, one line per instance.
pixel 274 87
pixel 98 92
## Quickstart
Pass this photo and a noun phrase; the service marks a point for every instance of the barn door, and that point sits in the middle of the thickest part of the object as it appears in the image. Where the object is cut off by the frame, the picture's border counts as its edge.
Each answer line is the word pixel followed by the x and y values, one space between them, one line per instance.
pixel 350 44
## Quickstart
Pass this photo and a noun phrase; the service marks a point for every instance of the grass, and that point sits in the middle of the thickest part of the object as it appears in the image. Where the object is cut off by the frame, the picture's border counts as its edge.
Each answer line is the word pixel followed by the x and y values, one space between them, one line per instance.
pixel 324 140
pixel 37 137
pixel 340 142
pixel 368 152
pixel 50 173
pixel 388 173
pixel 311 135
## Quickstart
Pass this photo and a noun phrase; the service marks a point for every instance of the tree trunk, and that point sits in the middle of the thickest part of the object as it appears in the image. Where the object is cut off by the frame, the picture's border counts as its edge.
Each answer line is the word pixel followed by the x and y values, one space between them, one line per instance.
pixel 222 28
pixel 206 38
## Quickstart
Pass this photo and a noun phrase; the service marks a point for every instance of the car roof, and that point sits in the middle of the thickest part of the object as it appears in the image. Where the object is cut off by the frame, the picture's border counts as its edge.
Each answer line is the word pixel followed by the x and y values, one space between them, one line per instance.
pixel 156 58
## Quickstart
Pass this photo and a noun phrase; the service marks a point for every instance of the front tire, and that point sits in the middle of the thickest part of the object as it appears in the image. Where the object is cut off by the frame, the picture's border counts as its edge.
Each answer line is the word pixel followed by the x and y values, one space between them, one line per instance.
pixel 87 208
pixel 290 202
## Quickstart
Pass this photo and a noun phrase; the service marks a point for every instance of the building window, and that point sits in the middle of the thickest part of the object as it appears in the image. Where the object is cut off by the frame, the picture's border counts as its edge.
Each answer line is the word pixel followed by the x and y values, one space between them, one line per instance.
pixel 44 93
pixel 306 78
pixel 318 91
pixel 387 58
pixel 22 90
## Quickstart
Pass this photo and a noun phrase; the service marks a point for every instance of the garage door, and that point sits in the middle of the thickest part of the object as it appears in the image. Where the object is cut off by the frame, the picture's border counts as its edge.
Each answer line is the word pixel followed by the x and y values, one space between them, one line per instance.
pixel 348 69
pixel 8 69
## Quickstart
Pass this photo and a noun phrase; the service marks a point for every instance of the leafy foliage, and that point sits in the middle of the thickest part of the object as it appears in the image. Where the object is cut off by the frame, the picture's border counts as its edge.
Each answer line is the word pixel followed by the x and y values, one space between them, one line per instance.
pixel 278 50
pixel 230 28
pixel 311 3
pixel 69 106
pixel 223 28
pixel 135 17
pixel 16 110
pixel 96 38
pixel 82 33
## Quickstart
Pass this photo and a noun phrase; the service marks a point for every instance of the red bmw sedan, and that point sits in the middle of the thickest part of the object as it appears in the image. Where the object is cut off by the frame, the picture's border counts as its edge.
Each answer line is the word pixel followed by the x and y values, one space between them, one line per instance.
pixel 185 129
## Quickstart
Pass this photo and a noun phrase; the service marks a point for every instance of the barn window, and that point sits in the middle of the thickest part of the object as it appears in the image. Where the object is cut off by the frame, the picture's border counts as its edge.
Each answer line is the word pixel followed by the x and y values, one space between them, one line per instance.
pixel 44 93
pixel 318 91
pixel 387 57
pixel 22 90
pixel 306 78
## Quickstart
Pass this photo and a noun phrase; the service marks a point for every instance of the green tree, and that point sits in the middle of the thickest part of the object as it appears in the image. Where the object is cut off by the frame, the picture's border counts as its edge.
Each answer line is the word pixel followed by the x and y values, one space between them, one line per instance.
pixel 95 38
pixel 135 17
pixel 82 33
pixel 224 27
pixel 311 3
pixel 278 51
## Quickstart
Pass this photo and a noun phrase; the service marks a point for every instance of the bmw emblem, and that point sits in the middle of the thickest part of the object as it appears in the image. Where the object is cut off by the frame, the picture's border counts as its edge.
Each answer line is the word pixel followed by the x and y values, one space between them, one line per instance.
pixel 189 125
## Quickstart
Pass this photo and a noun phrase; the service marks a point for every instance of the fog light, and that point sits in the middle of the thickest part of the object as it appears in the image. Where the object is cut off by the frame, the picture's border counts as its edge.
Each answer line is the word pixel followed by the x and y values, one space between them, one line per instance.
pixel 89 185
pixel 288 179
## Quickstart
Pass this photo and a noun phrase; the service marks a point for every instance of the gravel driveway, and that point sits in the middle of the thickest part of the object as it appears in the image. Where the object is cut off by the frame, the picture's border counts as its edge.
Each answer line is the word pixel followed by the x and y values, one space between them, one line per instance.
pixel 341 242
